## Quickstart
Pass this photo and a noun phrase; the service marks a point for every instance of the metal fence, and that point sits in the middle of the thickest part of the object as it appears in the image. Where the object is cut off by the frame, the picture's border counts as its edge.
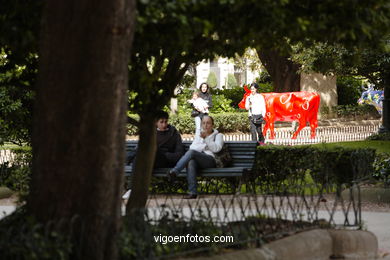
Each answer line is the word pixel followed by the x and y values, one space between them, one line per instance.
pixel 330 134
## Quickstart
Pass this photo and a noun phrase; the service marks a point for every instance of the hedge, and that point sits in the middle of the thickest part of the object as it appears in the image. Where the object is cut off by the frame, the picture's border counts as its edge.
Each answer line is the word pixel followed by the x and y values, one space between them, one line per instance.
pixel 224 122
pixel 276 164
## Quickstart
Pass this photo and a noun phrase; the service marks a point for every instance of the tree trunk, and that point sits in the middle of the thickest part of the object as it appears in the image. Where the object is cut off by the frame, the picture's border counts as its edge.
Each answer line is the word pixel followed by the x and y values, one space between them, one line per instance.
pixel 143 164
pixel 79 124
pixel 283 71
pixel 385 127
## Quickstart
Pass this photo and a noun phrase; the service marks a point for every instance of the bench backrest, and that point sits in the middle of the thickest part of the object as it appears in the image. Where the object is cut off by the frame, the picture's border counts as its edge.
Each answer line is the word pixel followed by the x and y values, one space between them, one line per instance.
pixel 242 152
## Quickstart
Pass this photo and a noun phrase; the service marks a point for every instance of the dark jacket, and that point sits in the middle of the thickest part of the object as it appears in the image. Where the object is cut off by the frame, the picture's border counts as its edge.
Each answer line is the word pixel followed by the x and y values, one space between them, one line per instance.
pixel 207 97
pixel 169 147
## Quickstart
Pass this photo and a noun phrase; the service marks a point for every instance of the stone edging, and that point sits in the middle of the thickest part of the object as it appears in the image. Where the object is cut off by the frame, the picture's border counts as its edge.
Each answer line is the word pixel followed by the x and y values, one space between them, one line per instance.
pixel 314 244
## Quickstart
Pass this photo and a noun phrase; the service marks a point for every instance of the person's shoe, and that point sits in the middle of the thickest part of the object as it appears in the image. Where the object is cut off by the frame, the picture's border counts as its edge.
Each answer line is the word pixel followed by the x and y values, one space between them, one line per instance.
pixel 171 174
pixel 191 196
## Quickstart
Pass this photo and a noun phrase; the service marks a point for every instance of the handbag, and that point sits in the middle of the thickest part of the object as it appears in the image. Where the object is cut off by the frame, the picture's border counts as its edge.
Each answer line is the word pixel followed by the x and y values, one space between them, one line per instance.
pixel 257 119
pixel 223 157
pixel 195 113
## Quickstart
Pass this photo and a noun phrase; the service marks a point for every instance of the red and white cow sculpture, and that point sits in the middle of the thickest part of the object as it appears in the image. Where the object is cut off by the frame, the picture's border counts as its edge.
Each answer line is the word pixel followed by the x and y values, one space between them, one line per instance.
pixel 289 106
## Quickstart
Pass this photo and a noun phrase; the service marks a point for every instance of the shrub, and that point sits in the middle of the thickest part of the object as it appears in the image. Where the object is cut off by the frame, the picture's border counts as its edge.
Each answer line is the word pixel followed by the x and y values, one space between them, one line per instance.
pixel 348 90
pixel 382 169
pixel 354 112
pixel 221 104
pixel 24 238
pixel 16 174
pixel 231 81
pixel 264 77
pixel 339 165
pixel 212 79
pixel 224 122
pixel 380 137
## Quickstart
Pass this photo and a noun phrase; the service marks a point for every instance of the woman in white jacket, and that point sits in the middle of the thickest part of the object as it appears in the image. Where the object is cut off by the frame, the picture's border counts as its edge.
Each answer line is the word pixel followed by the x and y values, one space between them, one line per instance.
pixel 200 155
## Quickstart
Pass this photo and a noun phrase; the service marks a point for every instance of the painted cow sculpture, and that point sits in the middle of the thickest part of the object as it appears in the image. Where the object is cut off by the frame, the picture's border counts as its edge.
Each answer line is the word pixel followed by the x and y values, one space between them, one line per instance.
pixel 373 97
pixel 289 106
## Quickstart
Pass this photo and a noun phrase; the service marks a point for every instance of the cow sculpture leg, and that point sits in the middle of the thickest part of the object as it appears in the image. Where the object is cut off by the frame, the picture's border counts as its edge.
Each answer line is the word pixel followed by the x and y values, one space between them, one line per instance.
pixel 302 124
pixel 313 126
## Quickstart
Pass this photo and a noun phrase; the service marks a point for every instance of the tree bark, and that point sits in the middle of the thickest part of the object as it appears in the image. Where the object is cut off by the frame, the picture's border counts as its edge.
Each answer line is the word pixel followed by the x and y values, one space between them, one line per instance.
pixel 79 124
pixel 385 127
pixel 283 71
pixel 143 164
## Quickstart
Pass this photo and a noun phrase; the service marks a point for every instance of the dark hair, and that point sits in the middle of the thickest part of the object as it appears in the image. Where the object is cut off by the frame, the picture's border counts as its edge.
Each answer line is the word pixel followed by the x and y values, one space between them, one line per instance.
pixel 200 86
pixel 254 85
pixel 162 115
pixel 212 119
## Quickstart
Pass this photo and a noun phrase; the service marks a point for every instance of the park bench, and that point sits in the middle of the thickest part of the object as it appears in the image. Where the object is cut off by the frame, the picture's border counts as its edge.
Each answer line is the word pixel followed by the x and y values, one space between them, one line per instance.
pixel 243 157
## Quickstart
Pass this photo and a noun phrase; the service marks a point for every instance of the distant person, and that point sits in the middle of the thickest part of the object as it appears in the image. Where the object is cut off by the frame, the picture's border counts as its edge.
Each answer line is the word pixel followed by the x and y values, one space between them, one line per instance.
pixel 206 96
pixel 200 155
pixel 255 104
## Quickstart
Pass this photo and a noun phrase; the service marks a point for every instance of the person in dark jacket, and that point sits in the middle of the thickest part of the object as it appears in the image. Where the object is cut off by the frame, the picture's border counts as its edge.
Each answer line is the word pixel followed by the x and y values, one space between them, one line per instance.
pixel 204 93
pixel 169 143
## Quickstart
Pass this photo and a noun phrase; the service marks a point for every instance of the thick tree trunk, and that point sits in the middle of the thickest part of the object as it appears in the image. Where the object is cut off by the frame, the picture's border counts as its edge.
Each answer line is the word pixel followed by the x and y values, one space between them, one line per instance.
pixel 283 71
pixel 385 127
pixel 79 127
pixel 143 164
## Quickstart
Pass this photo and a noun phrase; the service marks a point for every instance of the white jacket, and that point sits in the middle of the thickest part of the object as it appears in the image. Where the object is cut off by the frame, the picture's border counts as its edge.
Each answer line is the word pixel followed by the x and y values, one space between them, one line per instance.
pixel 255 104
pixel 209 145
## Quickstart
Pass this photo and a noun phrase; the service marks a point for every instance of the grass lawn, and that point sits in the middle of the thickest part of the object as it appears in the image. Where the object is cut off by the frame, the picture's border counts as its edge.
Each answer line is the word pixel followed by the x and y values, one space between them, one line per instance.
pixel 379 146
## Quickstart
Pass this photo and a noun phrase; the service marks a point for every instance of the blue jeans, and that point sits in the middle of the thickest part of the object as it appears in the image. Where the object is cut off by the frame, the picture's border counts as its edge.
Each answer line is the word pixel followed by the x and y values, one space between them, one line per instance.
pixel 194 160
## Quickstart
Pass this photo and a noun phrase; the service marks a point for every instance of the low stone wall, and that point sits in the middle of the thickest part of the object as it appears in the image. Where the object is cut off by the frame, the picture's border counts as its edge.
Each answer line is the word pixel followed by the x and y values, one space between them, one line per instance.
pixel 314 244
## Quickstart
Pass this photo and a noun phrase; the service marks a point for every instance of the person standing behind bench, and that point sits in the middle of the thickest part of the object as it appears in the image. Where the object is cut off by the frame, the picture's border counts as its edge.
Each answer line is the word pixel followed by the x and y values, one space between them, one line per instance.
pixel 200 155
pixel 169 143
pixel 255 104
pixel 206 96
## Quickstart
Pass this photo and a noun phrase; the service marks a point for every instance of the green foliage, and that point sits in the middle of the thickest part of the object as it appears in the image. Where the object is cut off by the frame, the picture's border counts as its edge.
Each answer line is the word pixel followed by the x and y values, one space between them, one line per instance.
pixel 22 237
pixel 231 81
pixel 212 79
pixel 353 112
pixel 264 77
pixel 382 136
pixel 382 169
pixel 234 94
pixel 349 90
pixel 338 165
pixel 224 122
pixel 221 104
pixel 16 97
pixel 16 174
pixel 265 87
pixel 356 111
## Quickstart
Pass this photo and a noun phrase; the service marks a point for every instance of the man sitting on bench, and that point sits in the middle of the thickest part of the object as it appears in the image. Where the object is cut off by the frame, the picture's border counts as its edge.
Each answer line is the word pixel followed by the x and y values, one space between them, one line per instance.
pixel 169 144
